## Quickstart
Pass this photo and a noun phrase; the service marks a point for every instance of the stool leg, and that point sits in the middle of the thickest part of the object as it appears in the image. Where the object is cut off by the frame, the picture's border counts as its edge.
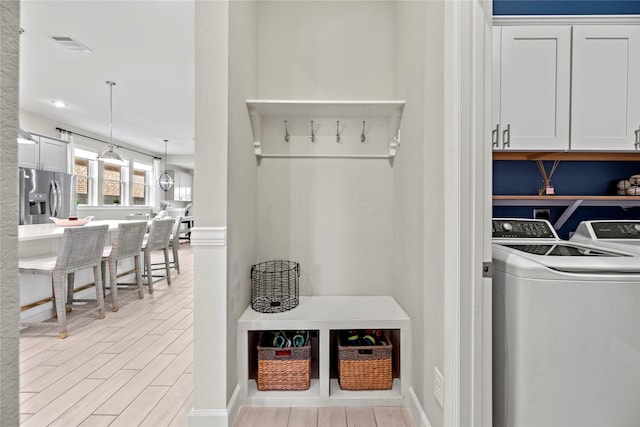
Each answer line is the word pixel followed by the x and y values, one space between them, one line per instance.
pixel 71 280
pixel 104 273
pixel 136 260
pixel 97 275
pixel 113 284
pixel 166 264
pixel 58 293
pixel 176 261
pixel 147 267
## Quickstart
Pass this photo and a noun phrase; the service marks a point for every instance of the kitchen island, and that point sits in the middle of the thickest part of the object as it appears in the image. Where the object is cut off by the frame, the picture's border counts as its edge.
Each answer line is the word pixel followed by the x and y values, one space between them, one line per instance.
pixel 38 240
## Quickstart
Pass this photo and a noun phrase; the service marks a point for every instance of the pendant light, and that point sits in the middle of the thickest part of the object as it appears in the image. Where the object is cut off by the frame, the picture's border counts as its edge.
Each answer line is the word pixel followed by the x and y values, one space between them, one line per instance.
pixel 165 181
pixel 110 154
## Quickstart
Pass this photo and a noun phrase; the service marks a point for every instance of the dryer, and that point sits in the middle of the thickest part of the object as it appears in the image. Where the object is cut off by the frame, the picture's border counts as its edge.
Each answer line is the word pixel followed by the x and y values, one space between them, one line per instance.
pixel 566 333
pixel 621 235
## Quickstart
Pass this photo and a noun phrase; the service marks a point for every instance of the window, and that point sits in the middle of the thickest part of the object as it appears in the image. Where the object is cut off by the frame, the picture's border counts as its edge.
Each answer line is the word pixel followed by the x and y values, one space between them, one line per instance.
pixel 139 187
pixel 112 176
pixel 83 181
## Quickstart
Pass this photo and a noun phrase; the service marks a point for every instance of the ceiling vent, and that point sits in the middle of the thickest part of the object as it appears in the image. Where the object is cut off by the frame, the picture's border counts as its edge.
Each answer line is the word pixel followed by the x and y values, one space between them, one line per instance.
pixel 71 44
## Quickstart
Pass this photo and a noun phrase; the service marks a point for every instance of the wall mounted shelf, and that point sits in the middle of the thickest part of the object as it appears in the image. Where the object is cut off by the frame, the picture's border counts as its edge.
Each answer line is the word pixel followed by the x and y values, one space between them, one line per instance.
pixel 570 202
pixel 326 112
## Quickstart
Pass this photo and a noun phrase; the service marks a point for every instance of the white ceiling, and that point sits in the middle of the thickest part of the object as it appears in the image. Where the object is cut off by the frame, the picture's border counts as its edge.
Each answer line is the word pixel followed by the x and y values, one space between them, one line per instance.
pixel 146 47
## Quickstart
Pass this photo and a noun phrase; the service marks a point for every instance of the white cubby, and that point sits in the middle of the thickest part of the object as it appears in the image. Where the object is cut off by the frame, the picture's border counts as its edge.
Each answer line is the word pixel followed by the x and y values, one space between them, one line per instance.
pixel 327 315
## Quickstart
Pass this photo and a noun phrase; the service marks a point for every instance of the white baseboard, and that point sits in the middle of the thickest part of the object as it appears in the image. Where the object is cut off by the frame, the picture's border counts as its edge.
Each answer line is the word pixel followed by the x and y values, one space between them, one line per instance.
pixel 216 417
pixel 419 416
pixel 234 405
pixel 208 418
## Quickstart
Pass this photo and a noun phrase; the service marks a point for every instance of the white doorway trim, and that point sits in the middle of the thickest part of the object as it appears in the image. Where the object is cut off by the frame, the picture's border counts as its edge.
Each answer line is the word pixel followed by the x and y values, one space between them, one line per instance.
pixel 467 323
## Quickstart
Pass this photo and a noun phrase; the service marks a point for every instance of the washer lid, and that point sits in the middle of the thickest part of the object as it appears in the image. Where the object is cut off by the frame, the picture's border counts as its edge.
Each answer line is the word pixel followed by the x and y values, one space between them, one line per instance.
pixel 530 258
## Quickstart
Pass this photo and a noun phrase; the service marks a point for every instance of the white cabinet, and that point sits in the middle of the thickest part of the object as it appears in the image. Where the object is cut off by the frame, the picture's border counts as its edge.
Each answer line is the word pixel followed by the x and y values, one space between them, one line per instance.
pixel 47 154
pixel 532 83
pixel 182 189
pixel 605 107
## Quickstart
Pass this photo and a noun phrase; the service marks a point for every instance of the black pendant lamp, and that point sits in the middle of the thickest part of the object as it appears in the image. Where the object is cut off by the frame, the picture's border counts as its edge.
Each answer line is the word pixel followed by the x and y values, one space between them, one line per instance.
pixel 165 181
pixel 110 154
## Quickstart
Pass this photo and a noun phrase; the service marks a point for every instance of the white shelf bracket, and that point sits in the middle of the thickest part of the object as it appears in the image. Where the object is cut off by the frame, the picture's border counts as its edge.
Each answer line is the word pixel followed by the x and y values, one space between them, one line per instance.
pixel 393 145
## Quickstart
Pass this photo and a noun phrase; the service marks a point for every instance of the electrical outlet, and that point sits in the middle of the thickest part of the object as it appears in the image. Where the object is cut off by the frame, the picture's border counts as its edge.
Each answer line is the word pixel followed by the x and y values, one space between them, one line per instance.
pixel 542 214
pixel 438 386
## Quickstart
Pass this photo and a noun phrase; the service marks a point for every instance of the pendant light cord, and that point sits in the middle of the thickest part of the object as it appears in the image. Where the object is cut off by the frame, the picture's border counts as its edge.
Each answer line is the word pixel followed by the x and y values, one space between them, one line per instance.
pixel 111 84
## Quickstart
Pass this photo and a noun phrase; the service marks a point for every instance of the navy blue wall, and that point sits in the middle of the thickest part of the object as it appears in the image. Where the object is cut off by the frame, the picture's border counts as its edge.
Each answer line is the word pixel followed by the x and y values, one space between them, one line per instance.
pixel 581 178
pixel 565 7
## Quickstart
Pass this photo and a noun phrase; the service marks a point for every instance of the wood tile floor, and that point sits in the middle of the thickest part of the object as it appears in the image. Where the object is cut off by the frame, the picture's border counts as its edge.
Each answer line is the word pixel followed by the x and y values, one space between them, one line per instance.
pixel 135 368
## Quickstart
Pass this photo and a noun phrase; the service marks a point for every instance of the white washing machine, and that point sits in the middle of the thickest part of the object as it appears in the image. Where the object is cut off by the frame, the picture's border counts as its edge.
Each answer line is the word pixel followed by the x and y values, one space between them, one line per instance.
pixel 621 235
pixel 566 330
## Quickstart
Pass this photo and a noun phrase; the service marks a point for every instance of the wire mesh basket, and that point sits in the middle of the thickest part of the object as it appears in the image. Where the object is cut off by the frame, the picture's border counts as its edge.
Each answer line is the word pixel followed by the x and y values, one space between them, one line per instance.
pixel 275 286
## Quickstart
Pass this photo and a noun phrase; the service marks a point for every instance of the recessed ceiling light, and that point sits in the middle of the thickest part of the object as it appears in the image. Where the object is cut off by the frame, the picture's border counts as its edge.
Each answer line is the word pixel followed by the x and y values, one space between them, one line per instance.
pixel 59 104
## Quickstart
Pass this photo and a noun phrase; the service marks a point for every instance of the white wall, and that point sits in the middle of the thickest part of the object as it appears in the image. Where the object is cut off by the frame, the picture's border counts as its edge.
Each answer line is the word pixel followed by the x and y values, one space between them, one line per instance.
pixel 242 176
pixel 335 217
pixel 325 50
pixel 418 190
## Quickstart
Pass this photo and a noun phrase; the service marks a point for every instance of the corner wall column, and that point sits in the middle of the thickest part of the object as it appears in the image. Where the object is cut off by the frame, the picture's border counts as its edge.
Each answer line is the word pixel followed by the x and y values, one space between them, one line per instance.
pixel 9 291
pixel 209 238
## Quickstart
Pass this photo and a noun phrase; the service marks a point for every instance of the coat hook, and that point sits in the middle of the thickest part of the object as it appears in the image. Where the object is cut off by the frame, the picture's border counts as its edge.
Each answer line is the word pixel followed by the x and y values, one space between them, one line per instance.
pixel 337 130
pixel 286 132
pixel 313 135
pixel 362 137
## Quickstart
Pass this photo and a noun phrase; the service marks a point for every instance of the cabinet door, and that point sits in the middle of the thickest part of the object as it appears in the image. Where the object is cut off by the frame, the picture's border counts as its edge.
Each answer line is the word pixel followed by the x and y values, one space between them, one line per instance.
pixel 605 106
pixel 535 87
pixel 29 155
pixel 496 140
pixel 53 155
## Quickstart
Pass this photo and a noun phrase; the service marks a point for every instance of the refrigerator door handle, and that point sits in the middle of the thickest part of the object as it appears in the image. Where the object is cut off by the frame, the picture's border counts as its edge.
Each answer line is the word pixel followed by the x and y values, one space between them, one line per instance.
pixel 58 198
pixel 53 201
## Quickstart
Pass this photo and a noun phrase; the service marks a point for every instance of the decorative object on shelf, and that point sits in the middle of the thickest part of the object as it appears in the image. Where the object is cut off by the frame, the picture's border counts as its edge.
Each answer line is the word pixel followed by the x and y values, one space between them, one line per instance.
pixel 275 286
pixel 110 154
pixel 283 368
pixel 547 187
pixel 365 367
pixel 629 187
pixel 362 137
pixel 165 181
pixel 287 137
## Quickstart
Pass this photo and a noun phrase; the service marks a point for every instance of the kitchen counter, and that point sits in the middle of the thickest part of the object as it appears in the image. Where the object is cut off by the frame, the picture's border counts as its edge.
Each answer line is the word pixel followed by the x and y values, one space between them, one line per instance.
pixel 48 231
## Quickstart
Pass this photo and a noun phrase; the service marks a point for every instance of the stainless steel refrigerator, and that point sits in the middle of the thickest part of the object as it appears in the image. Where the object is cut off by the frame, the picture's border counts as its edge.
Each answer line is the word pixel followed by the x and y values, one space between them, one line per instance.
pixel 44 194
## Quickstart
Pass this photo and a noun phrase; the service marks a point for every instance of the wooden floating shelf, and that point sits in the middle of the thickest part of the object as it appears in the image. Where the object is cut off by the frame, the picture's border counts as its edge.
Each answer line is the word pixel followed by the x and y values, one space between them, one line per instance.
pixel 568 155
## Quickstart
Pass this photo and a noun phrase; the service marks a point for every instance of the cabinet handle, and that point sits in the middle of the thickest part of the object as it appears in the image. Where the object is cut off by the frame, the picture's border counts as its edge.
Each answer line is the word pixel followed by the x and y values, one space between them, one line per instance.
pixel 495 136
pixel 506 137
pixel 637 144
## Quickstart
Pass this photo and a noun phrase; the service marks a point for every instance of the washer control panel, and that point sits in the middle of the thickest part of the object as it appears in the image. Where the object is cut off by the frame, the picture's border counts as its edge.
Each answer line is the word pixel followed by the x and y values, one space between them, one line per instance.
pixel 522 229
pixel 616 230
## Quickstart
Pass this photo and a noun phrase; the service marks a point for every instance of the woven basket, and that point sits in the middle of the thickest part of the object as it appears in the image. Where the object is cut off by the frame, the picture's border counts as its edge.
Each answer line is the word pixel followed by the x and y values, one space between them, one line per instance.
pixel 284 368
pixel 365 367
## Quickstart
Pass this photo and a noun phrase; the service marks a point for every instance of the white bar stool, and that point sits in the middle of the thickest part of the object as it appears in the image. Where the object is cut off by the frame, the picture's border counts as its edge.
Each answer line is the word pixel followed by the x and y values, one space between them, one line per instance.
pixel 156 240
pixel 174 245
pixel 126 243
pixel 80 248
